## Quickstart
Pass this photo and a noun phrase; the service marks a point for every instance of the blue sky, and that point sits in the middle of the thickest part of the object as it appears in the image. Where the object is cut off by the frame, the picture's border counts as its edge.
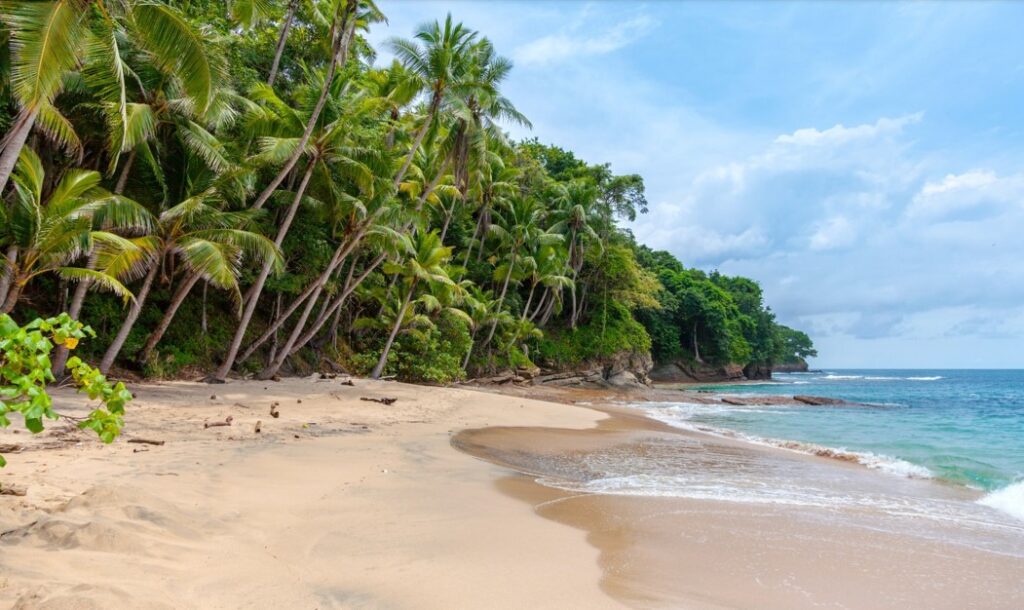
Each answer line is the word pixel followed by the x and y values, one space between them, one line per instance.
pixel 862 161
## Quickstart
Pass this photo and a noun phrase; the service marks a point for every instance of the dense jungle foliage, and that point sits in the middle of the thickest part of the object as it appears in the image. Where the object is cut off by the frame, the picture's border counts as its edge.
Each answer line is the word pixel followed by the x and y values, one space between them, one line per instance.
pixel 217 187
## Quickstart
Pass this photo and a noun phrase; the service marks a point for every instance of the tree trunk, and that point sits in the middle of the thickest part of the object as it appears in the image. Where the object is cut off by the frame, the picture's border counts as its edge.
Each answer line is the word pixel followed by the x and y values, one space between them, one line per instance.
pixel 312 289
pixel 339 50
pixel 8 271
pixel 529 299
pixel 202 320
pixel 435 103
pixel 335 306
pixel 14 141
pixel 696 350
pixel 501 299
pixel 476 232
pixel 540 303
pixel 221 374
pixel 122 180
pixel 282 39
pixel 129 321
pixel 60 357
pixel 17 285
pixel 469 352
pixel 379 369
pixel 165 322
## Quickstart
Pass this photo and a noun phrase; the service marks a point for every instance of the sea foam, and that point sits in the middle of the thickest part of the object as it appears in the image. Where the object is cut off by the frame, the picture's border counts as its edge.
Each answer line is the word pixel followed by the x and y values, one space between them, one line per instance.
pixel 1009 499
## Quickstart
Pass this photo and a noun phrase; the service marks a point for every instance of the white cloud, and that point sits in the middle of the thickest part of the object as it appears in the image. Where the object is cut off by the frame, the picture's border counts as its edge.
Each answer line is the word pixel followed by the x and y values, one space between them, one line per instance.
pixel 579 40
pixel 839 134
pixel 968 193
pixel 832 233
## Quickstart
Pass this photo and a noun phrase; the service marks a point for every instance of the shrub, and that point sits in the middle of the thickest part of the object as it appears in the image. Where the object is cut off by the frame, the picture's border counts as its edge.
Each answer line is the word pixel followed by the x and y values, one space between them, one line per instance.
pixel 25 371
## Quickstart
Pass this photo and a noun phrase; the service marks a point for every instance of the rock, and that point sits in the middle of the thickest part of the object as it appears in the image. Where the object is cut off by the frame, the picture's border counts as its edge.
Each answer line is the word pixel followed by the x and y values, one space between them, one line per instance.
pixel 623 379
pixel 734 401
pixel 682 371
pixel 757 371
pixel 818 401
pixel 791 367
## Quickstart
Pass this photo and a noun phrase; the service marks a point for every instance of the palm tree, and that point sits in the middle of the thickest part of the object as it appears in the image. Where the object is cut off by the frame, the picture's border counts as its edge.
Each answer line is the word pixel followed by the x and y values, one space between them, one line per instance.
pixel 335 162
pixel 210 247
pixel 574 216
pixel 50 40
pixel 440 62
pixel 424 262
pixel 52 234
pixel 517 224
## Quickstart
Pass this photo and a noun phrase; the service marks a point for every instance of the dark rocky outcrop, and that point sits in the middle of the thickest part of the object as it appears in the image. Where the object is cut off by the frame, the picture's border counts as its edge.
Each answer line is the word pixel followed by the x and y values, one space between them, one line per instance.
pixel 791 367
pixel 757 371
pixel 680 371
pixel 818 401
pixel 623 370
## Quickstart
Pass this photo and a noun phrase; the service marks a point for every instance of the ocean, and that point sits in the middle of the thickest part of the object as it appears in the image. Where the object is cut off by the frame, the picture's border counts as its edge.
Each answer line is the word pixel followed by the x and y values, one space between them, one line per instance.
pixel 938 447
pixel 965 427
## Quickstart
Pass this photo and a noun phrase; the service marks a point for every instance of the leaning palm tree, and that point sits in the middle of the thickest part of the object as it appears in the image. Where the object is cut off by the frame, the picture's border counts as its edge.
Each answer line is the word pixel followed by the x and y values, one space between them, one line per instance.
pixel 209 245
pixel 53 233
pixel 52 40
pixel 439 58
pixel 517 225
pixel 424 262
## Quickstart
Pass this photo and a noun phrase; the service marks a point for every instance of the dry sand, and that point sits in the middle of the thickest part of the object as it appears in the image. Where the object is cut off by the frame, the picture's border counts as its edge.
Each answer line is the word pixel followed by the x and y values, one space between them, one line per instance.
pixel 339 503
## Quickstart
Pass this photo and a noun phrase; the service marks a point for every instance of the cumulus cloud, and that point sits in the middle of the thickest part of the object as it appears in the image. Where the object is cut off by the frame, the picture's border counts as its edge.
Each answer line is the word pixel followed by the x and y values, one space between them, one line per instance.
pixel 840 134
pixel 978 191
pixel 582 39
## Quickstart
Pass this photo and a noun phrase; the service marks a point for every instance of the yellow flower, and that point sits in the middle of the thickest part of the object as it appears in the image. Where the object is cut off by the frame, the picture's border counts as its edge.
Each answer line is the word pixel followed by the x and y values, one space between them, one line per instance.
pixel 71 343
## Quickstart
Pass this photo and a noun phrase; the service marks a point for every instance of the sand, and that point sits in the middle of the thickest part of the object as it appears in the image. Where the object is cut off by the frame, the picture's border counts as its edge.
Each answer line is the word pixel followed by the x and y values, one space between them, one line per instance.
pixel 339 503
pixel 431 502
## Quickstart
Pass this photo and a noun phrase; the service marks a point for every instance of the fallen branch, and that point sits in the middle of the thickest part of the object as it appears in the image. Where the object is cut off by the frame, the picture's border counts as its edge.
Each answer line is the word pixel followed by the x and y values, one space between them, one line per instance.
pixel 383 401
pixel 227 422
pixel 11 448
pixel 145 441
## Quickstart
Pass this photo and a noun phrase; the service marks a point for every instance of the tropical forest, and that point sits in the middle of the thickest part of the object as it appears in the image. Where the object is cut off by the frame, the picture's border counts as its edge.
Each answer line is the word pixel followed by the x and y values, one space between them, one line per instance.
pixel 246 189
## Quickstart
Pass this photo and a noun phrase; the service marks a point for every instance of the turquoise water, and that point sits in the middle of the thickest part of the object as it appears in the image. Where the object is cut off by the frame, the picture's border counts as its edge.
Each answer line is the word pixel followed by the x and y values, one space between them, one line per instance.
pixel 965 426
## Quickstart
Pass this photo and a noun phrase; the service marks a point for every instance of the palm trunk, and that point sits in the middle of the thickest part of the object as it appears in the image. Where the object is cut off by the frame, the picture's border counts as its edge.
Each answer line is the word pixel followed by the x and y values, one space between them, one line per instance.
pixel 435 103
pixel 165 322
pixel 377 370
pixel 540 304
pixel 469 352
pixel 281 40
pixel 696 350
pixel 14 141
pixel 547 312
pixel 129 321
pixel 8 271
pixel 17 285
pixel 476 232
pixel 313 288
pixel 202 320
pixel 501 299
pixel 122 180
pixel 529 299
pixel 221 374
pixel 60 357
pixel 335 307
pixel 341 36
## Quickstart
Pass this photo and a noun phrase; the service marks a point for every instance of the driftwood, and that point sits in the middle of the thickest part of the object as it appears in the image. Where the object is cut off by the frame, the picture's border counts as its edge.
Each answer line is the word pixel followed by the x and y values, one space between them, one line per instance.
pixel 12 490
pixel 145 441
pixel 11 448
pixel 216 424
pixel 383 401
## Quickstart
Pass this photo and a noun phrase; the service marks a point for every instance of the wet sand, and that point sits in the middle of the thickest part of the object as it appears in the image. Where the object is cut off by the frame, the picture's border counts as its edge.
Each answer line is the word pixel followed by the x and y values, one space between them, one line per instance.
pixel 670 552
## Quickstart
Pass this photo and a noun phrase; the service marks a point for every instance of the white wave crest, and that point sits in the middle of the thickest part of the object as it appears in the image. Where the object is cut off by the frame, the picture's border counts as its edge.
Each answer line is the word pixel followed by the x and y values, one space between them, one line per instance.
pixel 842 377
pixel 932 378
pixel 1009 499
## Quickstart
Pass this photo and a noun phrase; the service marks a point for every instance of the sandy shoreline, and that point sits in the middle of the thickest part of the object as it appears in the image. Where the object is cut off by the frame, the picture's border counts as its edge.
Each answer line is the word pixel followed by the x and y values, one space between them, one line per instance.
pixel 369 508
pixel 342 503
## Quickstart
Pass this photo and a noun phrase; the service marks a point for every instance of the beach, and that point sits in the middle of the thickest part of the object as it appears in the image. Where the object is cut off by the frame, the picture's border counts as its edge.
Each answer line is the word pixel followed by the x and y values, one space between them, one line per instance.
pixel 345 503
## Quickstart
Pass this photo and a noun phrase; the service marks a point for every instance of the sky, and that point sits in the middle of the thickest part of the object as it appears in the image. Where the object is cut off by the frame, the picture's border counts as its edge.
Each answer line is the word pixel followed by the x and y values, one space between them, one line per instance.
pixel 862 161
